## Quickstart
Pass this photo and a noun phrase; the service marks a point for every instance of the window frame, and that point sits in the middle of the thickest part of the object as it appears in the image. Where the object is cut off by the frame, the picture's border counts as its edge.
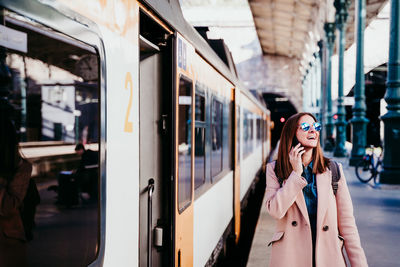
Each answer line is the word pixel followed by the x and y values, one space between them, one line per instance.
pixel 187 204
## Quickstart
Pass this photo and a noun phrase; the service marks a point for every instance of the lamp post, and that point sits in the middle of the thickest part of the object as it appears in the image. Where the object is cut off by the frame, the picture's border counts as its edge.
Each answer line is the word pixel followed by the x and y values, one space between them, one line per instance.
pixel 322 87
pixel 391 120
pixel 359 122
pixel 330 38
pixel 341 17
pixel 77 114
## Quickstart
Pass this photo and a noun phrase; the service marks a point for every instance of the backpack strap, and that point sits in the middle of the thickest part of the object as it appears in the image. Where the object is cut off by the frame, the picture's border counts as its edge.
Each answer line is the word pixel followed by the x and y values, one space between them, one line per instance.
pixel 334 167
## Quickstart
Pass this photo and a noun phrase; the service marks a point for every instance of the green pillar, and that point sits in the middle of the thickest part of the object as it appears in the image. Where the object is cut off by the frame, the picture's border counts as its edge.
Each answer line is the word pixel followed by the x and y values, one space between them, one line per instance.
pixel 330 38
pixel 77 114
pixel 359 122
pixel 322 93
pixel 341 17
pixel 303 88
pixel 391 120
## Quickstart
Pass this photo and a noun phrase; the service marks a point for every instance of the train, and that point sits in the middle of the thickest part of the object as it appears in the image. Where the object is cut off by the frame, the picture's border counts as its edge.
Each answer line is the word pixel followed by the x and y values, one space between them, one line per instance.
pixel 180 140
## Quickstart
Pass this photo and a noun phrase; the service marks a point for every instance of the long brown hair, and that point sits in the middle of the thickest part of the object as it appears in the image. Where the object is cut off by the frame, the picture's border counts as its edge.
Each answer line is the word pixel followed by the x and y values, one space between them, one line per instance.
pixel 283 168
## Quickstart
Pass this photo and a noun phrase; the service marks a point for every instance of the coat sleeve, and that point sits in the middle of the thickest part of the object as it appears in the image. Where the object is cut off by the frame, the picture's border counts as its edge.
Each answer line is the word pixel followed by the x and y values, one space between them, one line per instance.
pixel 12 193
pixel 347 224
pixel 280 199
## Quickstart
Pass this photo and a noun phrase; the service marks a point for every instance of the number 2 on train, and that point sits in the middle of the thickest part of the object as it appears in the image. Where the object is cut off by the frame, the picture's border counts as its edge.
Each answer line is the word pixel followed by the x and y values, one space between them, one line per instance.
pixel 128 128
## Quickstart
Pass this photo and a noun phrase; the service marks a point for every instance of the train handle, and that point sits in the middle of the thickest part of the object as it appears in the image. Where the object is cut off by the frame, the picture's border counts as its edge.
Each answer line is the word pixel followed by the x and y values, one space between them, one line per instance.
pixel 150 190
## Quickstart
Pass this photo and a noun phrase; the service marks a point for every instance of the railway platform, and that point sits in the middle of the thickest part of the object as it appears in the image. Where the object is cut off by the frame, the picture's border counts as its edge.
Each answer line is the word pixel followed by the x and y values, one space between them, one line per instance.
pixel 377 213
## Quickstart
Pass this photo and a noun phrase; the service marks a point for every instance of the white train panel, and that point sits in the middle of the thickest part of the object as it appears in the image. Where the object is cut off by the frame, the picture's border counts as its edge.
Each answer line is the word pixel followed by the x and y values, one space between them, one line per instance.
pixel 248 170
pixel 212 214
pixel 122 214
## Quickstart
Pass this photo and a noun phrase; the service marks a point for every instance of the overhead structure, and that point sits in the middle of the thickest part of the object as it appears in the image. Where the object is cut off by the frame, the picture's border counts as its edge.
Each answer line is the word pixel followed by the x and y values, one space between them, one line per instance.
pixel 292 28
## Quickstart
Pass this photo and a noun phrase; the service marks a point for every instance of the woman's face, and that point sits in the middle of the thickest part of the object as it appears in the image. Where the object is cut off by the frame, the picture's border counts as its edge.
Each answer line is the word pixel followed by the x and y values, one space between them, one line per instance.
pixel 309 138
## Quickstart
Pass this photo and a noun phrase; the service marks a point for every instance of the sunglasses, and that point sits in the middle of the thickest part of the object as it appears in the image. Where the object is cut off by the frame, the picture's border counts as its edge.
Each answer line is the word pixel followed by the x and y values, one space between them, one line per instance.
pixel 306 126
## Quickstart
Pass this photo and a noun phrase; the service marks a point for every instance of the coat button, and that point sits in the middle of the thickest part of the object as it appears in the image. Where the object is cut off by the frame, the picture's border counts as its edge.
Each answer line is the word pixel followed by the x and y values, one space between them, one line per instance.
pixel 294 223
pixel 325 228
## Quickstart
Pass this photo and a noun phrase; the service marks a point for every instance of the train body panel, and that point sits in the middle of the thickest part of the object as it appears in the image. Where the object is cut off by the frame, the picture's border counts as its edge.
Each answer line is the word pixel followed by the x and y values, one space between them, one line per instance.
pixel 118 22
pixel 122 152
pixel 122 118
pixel 249 168
pixel 211 220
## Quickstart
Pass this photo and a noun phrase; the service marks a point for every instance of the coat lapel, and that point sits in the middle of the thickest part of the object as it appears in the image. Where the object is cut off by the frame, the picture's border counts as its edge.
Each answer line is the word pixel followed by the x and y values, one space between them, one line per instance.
pixel 323 190
pixel 301 203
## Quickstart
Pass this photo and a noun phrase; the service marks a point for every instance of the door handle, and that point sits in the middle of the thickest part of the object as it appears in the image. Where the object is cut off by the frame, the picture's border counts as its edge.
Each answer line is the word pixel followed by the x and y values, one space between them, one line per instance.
pixel 150 190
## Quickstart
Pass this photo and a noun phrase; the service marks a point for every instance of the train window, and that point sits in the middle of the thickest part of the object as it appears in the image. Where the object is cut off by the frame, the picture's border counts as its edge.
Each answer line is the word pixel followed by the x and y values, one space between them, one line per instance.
pixel 262 135
pixel 200 114
pixel 251 135
pixel 238 134
pixel 200 158
pixel 200 144
pixel 258 130
pixel 216 135
pixel 245 132
pixel 53 87
pixel 230 157
pixel 184 144
pixel 248 133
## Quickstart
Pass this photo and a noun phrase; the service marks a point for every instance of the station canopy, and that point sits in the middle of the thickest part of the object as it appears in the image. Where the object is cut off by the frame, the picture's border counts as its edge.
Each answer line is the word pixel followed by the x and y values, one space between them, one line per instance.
pixel 292 28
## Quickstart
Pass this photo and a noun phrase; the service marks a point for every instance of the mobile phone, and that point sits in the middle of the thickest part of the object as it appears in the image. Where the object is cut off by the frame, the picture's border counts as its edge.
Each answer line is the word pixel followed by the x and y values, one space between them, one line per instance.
pixel 295 141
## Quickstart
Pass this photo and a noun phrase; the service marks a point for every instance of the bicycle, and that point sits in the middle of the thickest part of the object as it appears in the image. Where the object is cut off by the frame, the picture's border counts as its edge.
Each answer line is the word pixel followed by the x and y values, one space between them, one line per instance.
pixel 368 168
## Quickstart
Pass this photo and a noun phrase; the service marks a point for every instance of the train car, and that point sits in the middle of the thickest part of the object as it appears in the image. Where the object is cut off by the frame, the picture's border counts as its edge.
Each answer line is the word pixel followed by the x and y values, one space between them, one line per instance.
pixel 179 139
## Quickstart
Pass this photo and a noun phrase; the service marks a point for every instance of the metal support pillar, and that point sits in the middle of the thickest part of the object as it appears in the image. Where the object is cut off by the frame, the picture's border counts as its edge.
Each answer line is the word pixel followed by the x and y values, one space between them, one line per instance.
pixel 391 120
pixel 322 91
pixel 359 121
pixel 330 38
pixel 341 17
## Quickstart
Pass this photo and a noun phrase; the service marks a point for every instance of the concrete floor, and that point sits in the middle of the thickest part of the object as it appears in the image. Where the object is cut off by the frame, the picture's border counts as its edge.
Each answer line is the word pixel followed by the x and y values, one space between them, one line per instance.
pixel 377 213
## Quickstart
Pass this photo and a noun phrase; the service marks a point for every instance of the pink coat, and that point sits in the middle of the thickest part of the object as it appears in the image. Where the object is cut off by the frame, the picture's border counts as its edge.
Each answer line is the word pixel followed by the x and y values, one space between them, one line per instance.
pixel 291 243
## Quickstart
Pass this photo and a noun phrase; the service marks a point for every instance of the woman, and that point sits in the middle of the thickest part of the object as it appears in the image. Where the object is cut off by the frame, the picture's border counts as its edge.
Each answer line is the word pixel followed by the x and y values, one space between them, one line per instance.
pixel 15 173
pixel 312 222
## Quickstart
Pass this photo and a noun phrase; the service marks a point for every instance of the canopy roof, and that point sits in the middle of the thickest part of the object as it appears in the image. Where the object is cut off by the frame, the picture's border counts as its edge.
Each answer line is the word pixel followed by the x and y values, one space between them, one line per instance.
pixel 292 28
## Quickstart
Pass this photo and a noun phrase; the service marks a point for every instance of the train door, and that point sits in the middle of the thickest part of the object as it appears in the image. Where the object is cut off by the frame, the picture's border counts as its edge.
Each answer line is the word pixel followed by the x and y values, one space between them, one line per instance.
pixel 155 143
pixel 184 156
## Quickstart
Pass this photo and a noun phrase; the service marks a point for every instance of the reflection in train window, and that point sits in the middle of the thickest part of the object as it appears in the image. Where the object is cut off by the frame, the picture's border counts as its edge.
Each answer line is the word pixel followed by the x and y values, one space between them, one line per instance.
pixel 248 133
pixel 200 159
pixel 184 144
pixel 200 144
pixel 262 135
pixel 258 130
pixel 245 132
pixel 238 134
pixel 200 114
pixel 54 89
pixel 230 156
pixel 216 138
pixel 251 134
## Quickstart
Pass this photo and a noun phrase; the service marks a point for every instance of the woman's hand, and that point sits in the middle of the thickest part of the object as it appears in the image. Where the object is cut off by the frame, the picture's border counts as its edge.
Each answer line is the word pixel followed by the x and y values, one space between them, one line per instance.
pixel 295 158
